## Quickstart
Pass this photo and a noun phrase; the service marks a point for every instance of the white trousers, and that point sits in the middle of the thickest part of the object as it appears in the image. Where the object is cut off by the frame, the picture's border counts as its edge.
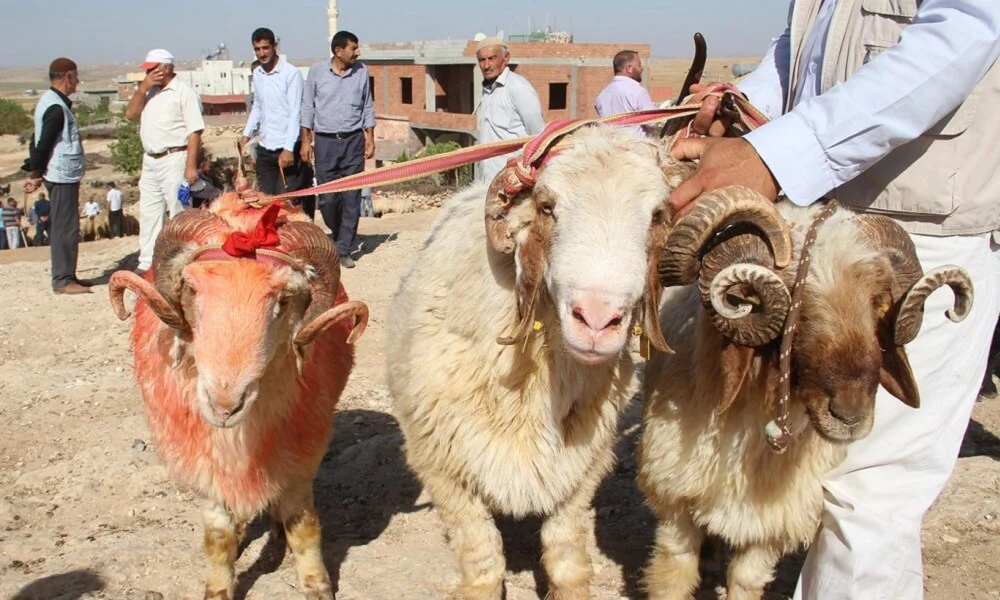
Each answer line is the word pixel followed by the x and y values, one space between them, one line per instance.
pixel 158 185
pixel 13 236
pixel 868 545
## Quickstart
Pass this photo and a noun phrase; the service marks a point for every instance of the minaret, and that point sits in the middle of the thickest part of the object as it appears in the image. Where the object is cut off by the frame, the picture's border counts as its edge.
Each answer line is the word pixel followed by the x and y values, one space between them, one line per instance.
pixel 331 14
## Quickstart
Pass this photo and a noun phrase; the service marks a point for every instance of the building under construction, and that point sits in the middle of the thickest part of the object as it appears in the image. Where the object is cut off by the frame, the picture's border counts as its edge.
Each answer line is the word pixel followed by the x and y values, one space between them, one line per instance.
pixel 428 91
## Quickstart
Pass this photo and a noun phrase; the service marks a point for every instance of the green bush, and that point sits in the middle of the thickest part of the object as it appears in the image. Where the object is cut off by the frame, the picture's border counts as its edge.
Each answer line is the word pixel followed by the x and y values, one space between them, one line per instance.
pixel 460 176
pixel 13 118
pixel 126 150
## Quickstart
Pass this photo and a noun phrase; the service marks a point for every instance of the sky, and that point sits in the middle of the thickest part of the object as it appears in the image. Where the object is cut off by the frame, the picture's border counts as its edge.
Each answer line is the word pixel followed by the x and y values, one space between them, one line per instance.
pixel 122 31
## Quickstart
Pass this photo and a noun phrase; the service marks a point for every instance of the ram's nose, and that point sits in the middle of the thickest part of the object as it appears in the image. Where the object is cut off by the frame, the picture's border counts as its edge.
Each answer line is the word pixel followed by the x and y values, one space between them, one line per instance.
pixel 598 313
pixel 226 401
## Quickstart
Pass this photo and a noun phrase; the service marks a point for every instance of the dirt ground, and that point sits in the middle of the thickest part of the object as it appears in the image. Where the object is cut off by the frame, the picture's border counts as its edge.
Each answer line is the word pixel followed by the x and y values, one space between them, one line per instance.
pixel 86 510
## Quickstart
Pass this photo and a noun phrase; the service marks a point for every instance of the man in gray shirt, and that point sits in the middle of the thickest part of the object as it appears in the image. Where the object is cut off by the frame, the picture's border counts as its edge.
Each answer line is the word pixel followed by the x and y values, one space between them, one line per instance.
pixel 338 115
pixel 509 108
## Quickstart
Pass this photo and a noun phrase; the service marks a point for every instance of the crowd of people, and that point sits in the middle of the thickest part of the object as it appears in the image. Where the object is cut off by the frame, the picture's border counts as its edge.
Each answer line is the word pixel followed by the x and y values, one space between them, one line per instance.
pixel 885 110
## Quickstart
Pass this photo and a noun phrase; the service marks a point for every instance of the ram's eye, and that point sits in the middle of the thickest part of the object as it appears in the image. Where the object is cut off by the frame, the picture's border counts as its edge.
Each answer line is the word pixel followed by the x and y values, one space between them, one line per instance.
pixel 546 207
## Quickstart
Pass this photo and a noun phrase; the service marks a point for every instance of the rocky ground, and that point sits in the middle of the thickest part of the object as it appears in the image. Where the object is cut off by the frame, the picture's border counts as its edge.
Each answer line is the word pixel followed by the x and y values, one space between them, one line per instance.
pixel 87 511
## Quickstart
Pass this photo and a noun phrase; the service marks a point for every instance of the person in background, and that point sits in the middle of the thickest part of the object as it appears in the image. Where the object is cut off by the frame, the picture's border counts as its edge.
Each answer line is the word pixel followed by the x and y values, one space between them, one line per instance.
pixel 114 200
pixel 338 116
pixel 625 92
pixel 275 114
pixel 56 159
pixel 509 109
pixel 170 128
pixel 43 211
pixel 12 224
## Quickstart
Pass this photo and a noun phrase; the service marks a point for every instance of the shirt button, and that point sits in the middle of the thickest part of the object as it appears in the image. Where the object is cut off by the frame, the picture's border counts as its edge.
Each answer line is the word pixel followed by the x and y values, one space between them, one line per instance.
pixel 812 68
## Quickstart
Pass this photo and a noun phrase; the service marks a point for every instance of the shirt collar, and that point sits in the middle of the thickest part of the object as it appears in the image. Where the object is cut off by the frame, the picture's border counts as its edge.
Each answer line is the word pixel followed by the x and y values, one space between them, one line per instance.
pixel 350 70
pixel 501 79
pixel 64 97
pixel 626 79
pixel 277 67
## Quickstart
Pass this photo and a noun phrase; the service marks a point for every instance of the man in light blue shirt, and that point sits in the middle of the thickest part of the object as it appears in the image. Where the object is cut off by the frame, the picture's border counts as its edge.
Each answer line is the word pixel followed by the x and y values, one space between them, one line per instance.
pixel 277 97
pixel 889 107
pixel 338 115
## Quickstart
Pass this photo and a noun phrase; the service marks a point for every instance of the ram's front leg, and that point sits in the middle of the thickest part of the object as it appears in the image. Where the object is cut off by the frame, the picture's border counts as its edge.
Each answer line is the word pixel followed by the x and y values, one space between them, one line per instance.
pixel 220 549
pixel 564 549
pixel 473 536
pixel 672 573
pixel 297 513
pixel 750 570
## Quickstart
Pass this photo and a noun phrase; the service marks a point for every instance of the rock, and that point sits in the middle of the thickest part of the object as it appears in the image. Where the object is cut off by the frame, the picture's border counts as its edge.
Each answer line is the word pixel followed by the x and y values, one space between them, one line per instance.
pixel 948 539
pixel 138 445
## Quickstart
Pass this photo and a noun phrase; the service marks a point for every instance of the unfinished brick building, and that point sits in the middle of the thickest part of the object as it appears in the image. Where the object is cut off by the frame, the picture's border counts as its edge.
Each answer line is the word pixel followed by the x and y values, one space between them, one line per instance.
pixel 428 91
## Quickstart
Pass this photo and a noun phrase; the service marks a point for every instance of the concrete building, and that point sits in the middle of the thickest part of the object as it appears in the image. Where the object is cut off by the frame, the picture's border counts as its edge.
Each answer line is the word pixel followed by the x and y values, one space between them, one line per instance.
pixel 428 91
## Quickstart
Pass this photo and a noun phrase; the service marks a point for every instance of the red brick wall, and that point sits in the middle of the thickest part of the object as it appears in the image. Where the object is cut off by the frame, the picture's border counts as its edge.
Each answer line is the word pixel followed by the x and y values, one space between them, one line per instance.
pixel 392 104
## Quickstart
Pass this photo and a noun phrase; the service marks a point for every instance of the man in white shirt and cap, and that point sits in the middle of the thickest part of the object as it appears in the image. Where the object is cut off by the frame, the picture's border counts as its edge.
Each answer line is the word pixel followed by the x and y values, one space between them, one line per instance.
pixel 170 127
pixel 509 109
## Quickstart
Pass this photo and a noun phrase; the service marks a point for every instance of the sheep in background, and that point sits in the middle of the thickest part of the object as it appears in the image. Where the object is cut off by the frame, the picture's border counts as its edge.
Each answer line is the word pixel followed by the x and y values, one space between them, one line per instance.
pixel 705 463
pixel 240 362
pixel 559 275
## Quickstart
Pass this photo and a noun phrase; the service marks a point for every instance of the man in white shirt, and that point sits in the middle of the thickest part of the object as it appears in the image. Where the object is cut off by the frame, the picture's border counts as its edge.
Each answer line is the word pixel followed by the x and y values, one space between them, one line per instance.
pixel 509 109
pixel 274 115
pixel 887 106
pixel 114 200
pixel 91 209
pixel 170 127
pixel 625 92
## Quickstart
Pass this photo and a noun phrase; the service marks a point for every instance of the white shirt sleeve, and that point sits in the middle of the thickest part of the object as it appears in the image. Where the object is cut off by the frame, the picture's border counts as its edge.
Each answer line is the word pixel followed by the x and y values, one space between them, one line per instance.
pixel 829 139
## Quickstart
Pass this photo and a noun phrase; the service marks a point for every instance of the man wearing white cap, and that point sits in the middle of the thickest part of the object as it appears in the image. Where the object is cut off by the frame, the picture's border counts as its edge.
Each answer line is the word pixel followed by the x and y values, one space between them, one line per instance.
pixel 170 126
pixel 510 107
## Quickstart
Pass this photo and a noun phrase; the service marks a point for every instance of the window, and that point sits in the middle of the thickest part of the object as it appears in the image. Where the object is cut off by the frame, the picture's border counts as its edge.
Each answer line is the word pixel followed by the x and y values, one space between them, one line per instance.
pixel 557 96
pixel 371 87
pixel 407 89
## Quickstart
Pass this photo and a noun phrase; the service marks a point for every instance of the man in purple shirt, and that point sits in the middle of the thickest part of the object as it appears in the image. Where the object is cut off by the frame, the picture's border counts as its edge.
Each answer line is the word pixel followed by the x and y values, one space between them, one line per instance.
pixel 625 92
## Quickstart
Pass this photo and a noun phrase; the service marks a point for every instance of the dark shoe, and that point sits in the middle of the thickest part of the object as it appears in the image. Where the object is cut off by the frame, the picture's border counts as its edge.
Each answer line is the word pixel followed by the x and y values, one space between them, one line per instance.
pixel 347 262
pixel 72 288
pixel 989 388
pixel 84 282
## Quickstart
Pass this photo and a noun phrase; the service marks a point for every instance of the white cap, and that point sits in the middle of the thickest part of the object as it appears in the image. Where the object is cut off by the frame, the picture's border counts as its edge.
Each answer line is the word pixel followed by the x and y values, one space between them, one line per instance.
pixel 157 57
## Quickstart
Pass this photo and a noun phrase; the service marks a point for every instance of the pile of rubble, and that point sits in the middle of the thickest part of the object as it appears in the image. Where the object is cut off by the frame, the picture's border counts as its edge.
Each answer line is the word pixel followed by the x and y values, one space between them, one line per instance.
pixel 386 201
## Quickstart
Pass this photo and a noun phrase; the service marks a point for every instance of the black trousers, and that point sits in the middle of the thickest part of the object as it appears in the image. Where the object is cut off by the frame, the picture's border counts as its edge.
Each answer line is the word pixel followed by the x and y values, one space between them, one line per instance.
pixel 336 158
pixel 115 223
pixel 65 233
pixel 297 177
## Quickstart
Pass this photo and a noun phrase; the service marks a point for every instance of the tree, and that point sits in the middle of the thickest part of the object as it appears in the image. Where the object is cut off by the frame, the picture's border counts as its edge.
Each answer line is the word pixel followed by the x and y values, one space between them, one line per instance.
pixel 126 150
pixel 13 118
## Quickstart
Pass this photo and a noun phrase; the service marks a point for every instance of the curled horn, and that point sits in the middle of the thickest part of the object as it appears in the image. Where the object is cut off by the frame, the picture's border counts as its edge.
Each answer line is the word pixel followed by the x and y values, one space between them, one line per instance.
pixel 497 206
pixel 307 242
pixel 888 238
pixel 910 286
pixel 190 229
pixel 911 311
pixel 730 242
pixel 751 286
pixel 167 311
pixel 680 262
pixel 358 311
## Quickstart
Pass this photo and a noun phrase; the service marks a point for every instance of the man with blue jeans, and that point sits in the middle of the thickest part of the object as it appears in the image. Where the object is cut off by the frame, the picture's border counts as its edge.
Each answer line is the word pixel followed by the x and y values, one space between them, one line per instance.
pixel 338 115
pixel 889 107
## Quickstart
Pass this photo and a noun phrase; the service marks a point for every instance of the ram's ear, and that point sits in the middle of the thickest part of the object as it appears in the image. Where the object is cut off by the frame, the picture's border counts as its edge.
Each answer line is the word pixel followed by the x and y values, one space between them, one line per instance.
pixel 735 361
